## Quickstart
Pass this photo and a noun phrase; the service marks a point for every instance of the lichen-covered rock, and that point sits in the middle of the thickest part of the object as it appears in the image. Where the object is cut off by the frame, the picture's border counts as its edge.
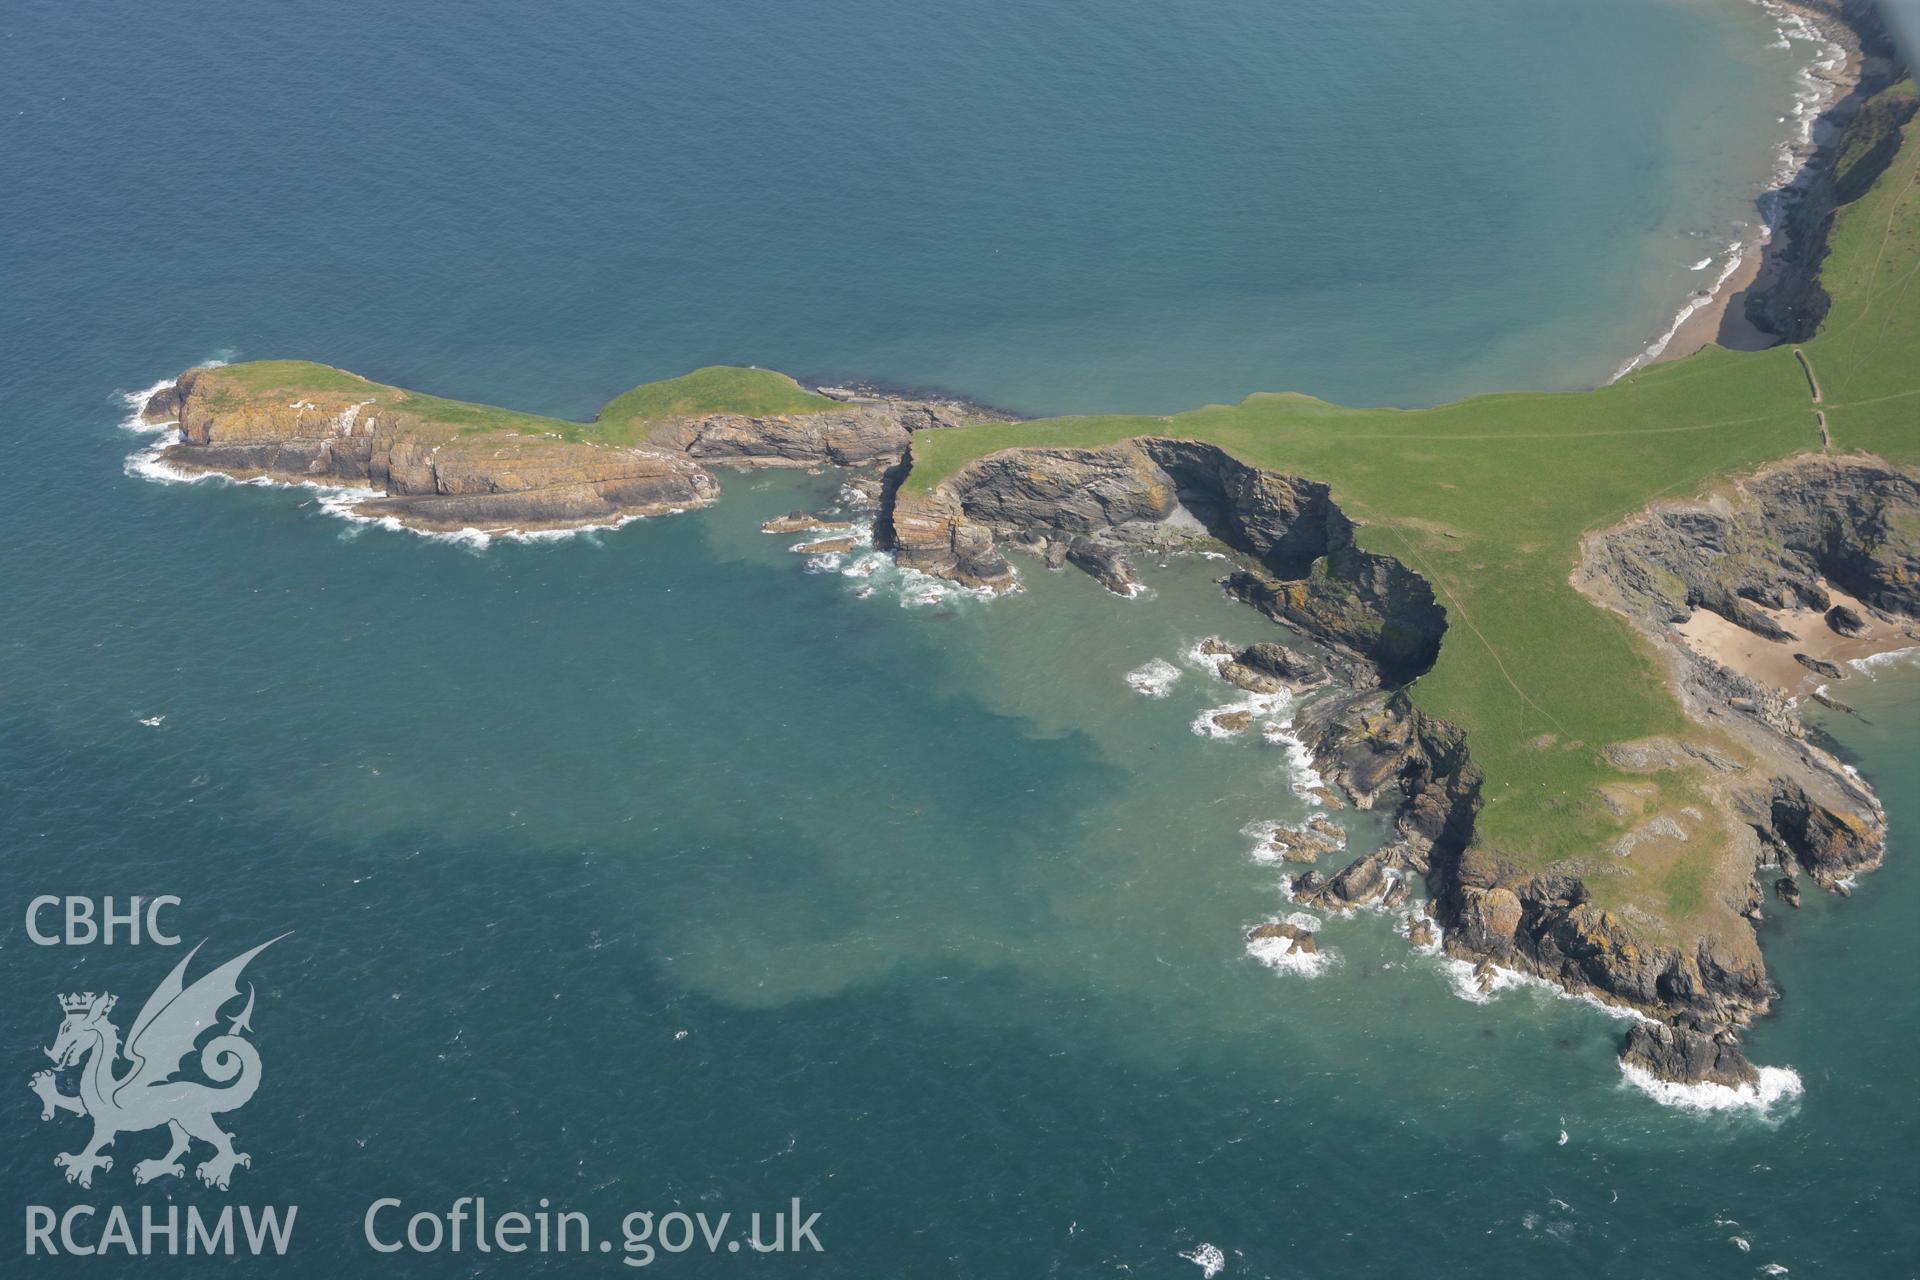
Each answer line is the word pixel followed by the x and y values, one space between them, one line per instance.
pixel 1360 883
pixel 433 465
pixel 866 433
pixel 1490 919
pixel 1295 669
pixel 1776 538
pixel 1819 666
pixel 930 533
pixel 162 406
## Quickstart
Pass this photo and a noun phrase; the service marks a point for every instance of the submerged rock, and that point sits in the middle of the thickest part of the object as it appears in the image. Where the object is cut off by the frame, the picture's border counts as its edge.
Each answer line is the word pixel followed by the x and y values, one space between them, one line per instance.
pixel 1306 842
pixel 1301 941
pixel 803 522
pixel 826 545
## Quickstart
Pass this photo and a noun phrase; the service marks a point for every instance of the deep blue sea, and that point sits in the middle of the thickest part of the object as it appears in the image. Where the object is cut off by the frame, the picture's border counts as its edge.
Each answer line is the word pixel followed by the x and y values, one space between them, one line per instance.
pixel 662 870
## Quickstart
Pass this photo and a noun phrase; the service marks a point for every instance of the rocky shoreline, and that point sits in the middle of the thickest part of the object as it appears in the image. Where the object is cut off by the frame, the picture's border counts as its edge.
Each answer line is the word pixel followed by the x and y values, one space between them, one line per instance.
pixel 1784 301
pixel 1797 808
pixel 421 471
pixel 1772 802
pixel 1794 533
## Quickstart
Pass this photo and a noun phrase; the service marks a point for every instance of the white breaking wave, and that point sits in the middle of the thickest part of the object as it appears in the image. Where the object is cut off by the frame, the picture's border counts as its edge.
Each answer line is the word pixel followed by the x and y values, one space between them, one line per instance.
pixel 1254 706
pixel 1303 777
pixel 1208 662
pixel 1153 679
pixel 1776 1085
pixel 338 500
pixel 1815 90
pixel 1736 254
pixel 1262 834
pixel 1867 666
pixel 1466 985
pixel 876 571
pixel 1209 1259
pixel 1277 954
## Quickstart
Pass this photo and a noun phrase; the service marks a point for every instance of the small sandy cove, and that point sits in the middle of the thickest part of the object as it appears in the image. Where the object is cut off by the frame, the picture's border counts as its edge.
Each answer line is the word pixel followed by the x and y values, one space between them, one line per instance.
pixel 1771 662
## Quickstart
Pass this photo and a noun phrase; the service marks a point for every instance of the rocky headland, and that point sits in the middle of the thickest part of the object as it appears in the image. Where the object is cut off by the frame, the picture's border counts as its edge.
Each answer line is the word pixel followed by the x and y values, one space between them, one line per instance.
pixel 1784 803
pixel 1742 799
pixel 440 466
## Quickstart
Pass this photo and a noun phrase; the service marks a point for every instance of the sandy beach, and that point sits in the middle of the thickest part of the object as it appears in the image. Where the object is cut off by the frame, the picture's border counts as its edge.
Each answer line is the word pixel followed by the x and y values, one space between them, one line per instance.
pixel 1772 662
pixel 1722 318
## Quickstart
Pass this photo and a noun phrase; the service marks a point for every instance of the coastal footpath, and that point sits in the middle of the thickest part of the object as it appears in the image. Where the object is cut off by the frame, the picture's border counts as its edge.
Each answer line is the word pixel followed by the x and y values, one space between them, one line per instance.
pixel 1565 636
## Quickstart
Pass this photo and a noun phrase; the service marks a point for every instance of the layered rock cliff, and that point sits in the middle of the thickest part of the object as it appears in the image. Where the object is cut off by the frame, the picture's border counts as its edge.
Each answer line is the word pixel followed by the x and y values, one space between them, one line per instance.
pixel 1786 298
pixel 1770 798
pixel 1302 564
pixel 430 466
pixel 1779 538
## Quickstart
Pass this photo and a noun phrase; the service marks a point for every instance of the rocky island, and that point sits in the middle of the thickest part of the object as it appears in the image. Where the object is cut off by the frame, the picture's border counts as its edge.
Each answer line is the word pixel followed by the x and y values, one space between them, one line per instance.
pixel 1526 599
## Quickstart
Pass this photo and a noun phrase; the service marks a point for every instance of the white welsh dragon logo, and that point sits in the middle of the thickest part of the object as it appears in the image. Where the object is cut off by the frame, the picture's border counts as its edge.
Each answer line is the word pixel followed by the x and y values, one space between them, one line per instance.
pixel 146 1095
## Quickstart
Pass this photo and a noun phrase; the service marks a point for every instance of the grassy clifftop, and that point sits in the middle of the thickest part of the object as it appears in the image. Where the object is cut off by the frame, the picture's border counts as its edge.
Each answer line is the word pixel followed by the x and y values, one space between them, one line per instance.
pixel 626 420
pixel 1489 498
pixel 718 388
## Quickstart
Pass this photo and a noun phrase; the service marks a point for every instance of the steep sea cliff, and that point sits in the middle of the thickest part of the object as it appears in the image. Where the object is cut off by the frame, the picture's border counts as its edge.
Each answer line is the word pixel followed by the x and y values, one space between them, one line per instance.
pixel 1777 801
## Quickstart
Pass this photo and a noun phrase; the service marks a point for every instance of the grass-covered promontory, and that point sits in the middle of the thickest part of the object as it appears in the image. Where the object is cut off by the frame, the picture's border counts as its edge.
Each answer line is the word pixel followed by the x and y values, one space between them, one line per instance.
pixel 626 420
pixel 755 393
pixel 1489 498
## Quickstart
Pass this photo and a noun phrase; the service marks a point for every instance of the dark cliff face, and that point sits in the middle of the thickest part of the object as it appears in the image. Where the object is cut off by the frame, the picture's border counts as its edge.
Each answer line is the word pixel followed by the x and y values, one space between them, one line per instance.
pixel 864 433
pixel 1777 540
pixel 1688 1057
pixel 1303 568
pixel 1787 299
pixel 1793 529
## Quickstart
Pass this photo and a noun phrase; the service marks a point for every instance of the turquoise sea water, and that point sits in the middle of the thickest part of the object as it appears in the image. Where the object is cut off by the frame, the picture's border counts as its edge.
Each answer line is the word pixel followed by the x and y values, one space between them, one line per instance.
pixel 651 871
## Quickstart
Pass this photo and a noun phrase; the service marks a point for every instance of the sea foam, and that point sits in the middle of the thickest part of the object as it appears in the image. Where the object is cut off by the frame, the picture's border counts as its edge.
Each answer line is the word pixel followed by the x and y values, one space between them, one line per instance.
pixel 1208 1258
pixel 1815 89
pixel 1277 954
pixel 1153 679
pixel 1777 1084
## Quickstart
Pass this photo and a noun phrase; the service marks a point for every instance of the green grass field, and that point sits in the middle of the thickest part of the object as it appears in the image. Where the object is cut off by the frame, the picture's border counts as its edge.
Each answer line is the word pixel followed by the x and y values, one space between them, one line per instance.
pixel 626 420
pixel 758 393
pixel 1488 498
